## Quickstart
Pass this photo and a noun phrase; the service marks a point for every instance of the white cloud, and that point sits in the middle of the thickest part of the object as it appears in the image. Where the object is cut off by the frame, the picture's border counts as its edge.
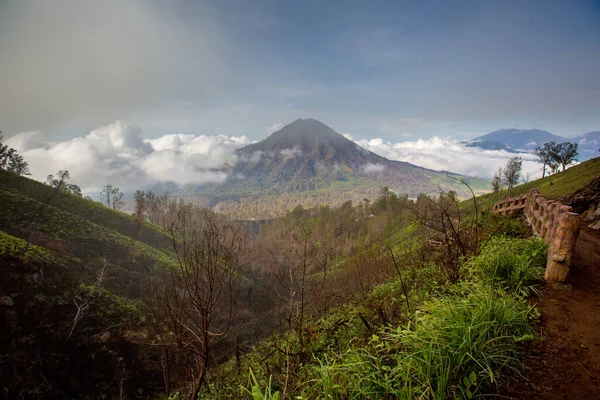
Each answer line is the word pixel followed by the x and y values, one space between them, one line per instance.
pixel 288 154
pixel 79 63
pixel 450 155
pixel 371 168
pixel 117 154
pixel 274 127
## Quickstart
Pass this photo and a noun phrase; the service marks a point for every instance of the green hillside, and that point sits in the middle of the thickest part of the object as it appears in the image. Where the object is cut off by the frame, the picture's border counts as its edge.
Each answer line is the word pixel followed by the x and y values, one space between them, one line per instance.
pixel 82 231
pixel 553 186
pixel 391 297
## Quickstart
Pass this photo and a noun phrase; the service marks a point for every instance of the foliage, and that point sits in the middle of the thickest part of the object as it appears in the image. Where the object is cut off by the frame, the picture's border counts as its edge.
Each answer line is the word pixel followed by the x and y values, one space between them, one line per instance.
pixel 555 155
pixel 515 264
pixel 551 187
pixel 257 393
pixel 60 183
pixel 11 161
pixel 567 154
pixel 456 346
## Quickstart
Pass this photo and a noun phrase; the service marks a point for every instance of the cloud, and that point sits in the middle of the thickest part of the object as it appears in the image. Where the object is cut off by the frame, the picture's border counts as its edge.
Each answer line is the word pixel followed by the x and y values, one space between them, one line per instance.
pixel 371 168
pixel 117 154
pixel 274 127
pixel 288 154
pixel 79 63
pixel 450 155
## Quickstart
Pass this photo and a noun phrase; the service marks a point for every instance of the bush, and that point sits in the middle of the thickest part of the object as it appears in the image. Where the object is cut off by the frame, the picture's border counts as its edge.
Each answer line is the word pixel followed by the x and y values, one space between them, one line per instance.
pixel 458 345
pixel 514 264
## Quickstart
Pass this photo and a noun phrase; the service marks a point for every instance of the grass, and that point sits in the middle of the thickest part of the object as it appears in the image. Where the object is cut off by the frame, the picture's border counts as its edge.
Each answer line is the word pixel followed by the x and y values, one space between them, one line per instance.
pixel 516 265
pixel 13 246
pixel 80 233
pixel 457 346
pixel 452 341
pixel 89 210
pixel 551 187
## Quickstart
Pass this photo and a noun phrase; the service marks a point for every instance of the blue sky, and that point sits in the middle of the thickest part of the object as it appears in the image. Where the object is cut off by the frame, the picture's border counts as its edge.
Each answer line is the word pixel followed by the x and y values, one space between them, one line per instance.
pixel 399 70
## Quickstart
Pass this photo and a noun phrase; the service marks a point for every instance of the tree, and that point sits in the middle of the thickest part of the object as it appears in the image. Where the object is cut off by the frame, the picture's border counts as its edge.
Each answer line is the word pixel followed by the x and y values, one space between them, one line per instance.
pixel 512 172
pixel 11 161
pixel 60 182
pixel 547 156
pixel 112 197
pixel 194 308
pixel 140 204
pixel 497 181
pixel 566 154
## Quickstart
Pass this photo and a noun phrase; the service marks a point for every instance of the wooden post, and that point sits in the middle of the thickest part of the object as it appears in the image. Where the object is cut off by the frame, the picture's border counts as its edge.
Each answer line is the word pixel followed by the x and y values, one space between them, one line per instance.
pixel 562 245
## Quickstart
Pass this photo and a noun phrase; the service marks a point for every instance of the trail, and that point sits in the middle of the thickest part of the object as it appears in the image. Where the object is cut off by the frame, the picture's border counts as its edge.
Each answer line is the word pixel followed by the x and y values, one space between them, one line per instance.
pixel 566 363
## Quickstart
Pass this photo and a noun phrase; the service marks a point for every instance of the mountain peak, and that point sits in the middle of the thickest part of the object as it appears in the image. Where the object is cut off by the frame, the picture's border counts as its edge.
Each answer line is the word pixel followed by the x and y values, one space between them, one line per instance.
pixel 307 127
pixel 309 136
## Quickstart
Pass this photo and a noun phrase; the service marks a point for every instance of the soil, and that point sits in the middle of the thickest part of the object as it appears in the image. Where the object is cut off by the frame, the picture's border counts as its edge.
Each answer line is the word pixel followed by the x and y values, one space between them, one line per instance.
pixel 564 363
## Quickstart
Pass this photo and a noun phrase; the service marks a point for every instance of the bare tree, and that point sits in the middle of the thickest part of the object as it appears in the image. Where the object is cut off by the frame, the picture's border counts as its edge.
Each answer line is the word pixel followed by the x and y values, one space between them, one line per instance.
pixel 196 306
pixel 85 297
pixel 112 197
pixel 300 267
pixel 512 172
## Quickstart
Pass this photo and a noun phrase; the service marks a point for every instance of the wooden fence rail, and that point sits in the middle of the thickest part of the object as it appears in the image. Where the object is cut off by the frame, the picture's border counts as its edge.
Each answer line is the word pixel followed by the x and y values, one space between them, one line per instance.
pixel 552 221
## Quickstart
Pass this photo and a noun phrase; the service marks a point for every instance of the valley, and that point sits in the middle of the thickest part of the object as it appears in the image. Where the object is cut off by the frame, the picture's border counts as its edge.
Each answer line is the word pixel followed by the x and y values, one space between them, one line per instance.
pixel 320 300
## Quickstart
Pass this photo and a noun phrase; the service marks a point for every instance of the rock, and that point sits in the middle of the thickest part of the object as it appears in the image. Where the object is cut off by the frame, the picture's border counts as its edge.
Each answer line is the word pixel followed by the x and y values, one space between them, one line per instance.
pixel 7 301
pixel 595 226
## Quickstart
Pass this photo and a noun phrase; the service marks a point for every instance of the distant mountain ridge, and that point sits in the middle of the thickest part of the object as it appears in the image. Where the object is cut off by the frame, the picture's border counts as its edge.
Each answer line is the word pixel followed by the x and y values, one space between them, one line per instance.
pixel 526 140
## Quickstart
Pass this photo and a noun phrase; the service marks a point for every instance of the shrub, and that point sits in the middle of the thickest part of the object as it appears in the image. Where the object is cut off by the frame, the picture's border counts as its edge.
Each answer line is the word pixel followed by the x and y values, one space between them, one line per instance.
pixel 457 346
pixel 514 264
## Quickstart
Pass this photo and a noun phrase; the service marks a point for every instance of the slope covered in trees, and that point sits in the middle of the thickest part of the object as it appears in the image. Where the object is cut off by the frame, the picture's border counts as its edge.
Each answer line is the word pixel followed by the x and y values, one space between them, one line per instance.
pixel 386 297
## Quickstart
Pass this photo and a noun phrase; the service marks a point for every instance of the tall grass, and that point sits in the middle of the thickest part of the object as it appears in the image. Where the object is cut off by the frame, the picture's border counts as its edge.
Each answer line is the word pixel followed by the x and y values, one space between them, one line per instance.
pixel 461 341
pixel 514 264
pixel 456 347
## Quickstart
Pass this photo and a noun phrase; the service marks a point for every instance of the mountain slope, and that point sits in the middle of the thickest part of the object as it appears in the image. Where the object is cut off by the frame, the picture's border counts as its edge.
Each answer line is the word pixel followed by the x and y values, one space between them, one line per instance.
pixel 517 139
pixel 589 144
pixel 526 140
pixel 308 163
pixel 80 234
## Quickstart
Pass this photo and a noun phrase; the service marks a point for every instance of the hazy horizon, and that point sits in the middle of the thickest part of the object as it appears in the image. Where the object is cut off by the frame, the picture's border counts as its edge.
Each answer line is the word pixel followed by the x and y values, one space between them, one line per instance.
pixel 406 80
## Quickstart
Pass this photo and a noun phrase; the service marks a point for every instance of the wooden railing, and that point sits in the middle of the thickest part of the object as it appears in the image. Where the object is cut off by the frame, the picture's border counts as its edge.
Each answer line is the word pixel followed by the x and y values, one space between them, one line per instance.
pixel 510 206
pixel 552 221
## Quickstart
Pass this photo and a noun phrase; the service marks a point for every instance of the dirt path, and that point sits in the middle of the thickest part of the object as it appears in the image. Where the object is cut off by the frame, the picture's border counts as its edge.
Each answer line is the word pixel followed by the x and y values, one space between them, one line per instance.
pixel 566 363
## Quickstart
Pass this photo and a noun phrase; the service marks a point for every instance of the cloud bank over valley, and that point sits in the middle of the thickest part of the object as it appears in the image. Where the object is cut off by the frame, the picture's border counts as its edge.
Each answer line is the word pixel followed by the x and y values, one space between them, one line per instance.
pixel 444 154
pixel 118 154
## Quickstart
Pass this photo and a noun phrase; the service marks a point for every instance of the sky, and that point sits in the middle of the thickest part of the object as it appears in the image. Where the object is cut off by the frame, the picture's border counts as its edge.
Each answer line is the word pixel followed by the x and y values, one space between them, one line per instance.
pixel 230 72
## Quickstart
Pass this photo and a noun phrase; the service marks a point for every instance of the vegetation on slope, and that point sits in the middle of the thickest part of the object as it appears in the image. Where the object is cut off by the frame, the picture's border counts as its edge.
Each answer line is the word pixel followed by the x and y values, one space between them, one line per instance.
pixel 392 298
pixel 552 187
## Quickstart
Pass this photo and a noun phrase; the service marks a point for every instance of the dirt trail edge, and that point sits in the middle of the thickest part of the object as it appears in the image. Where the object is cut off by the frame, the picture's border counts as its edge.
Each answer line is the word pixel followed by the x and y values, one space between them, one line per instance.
pixel 565 363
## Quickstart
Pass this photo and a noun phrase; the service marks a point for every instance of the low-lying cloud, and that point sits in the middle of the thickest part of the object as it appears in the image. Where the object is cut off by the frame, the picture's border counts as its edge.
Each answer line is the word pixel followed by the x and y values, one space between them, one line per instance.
pixel 371 168
pixel 450 155
pixel 117 154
